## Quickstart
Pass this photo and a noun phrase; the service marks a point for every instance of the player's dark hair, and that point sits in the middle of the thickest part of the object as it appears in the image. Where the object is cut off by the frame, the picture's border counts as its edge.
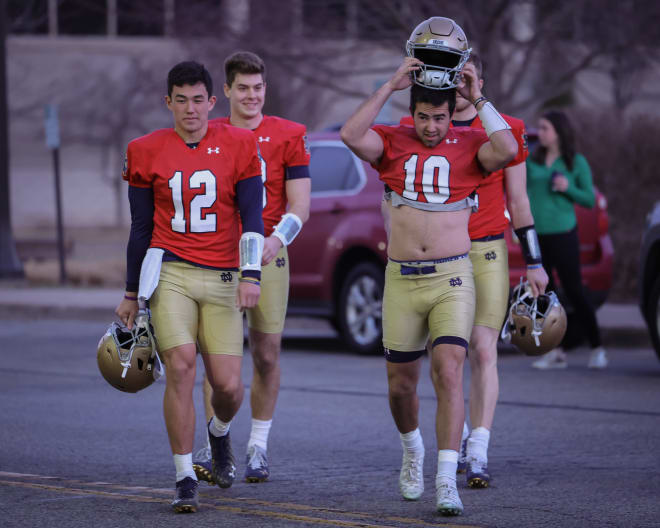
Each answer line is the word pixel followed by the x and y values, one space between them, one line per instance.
pixel 244 62
pixel 566 136
pixel 191 73
pixel 475 59
pixel 419 94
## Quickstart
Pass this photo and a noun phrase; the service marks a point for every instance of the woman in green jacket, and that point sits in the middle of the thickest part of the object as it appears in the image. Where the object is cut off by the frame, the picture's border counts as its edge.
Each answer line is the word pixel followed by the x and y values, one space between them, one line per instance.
pixel 558 178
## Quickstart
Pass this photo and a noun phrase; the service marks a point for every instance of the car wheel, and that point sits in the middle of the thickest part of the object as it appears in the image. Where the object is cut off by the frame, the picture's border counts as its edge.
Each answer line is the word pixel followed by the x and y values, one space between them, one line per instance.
pixel 653 315
pixel 360 308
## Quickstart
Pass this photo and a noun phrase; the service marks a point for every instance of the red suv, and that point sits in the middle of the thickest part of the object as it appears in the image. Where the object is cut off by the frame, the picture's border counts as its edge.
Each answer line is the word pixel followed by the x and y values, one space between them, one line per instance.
pixel 338 260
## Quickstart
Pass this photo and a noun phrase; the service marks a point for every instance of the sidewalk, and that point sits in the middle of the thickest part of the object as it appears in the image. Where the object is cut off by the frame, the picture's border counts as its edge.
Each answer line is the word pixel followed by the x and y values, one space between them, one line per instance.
pixel 621 325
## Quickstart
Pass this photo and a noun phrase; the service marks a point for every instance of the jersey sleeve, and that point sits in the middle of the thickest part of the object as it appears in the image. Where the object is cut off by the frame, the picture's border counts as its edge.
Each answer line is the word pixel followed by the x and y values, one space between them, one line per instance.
pixel 297 151
pixel 249 163
pixel 384 132
pixel 519 132
pixel 135 172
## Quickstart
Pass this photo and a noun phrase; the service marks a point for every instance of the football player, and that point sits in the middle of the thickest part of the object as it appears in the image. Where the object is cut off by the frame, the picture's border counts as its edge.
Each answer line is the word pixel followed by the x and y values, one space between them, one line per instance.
pixel 187 187
pixel 432 172
pixel 284 157
pixel 489 258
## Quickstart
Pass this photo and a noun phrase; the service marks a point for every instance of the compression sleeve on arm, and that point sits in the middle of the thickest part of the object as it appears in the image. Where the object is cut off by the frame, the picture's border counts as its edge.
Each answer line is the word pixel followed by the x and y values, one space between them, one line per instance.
pixel 141 201
pixel 249 193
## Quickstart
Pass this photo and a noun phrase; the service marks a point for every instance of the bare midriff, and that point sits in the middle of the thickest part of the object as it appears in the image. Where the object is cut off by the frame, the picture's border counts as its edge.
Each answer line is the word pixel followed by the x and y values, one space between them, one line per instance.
pixel 427 235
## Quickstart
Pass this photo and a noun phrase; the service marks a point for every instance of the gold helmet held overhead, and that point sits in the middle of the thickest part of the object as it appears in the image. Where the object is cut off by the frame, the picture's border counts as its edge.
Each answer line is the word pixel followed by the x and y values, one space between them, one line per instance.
pixel 442 46
pixel 128 359
pixel 534 325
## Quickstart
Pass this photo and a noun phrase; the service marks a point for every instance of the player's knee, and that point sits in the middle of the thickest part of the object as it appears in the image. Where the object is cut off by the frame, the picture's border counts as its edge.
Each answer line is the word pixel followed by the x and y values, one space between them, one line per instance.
pixel 447 374
pixel 401 385
pixel 266 359
pixel 483 354
pixel 228 387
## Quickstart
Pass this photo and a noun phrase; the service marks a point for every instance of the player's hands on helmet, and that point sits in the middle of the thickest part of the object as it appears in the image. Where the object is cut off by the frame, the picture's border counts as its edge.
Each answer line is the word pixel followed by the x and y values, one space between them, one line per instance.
pixel 538 280
pixel 272 245
pixel 468 86
pixel 402 78
pixel 559 183
pixel 248 295
pixel 127 310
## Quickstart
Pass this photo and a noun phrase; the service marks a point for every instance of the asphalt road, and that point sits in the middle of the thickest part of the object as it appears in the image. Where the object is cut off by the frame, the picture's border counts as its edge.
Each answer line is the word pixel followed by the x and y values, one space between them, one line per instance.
pixel 572 448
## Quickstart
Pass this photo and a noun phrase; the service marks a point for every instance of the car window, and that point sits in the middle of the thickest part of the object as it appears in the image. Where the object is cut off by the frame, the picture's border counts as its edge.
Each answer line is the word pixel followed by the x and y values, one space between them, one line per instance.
pixel 333 168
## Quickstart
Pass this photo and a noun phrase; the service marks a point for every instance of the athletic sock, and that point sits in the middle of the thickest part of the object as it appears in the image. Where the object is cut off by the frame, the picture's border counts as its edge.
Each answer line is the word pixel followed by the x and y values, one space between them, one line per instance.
pixel 259 433
pixel 412 441
pixel 477 445
pixel 184 468
pixel 218 428
pixel 447 465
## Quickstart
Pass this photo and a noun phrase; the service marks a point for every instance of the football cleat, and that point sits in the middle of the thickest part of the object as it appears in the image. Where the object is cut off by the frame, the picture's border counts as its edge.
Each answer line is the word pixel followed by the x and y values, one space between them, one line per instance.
pixel 203 466
pixel 223 465
pixel 447 501
pixel 185 496
pixel 256 462
pixel 477 474
pixel 411 477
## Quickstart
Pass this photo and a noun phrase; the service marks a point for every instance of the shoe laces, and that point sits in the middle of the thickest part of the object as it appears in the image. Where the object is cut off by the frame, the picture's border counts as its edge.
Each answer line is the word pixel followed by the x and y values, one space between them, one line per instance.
pixel 203 455
pixel 256 457
pixel 446 489
pixel 412 467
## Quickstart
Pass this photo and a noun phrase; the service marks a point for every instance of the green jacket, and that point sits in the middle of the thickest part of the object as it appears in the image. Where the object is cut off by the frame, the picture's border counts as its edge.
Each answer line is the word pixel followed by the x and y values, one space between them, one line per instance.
pixel 554 211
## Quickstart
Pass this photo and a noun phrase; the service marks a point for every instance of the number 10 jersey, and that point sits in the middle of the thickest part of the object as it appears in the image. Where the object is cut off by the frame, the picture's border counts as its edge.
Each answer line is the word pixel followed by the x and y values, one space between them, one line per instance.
pixel 444 174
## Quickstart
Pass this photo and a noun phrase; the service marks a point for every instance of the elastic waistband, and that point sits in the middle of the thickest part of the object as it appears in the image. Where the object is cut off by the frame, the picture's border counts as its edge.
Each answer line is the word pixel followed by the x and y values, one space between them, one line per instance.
pixel 424 267
pixel 489 238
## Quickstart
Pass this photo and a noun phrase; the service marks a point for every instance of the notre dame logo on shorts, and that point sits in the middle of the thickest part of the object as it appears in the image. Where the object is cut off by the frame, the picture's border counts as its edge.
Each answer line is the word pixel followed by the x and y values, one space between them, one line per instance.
pixel 280 262
pixel 456 281
pixel 491 255
pixel 226 276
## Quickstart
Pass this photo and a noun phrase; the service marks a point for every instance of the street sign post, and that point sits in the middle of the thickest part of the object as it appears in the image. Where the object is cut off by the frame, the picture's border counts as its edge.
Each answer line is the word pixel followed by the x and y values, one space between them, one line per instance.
pixel 52 127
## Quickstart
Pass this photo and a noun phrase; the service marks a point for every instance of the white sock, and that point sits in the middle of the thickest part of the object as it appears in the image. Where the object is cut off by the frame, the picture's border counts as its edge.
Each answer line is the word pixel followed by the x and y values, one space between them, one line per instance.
pixel 466 432
pixel 218 428
pixel 259 433
pixel 183 465
pixel 477 445
pixel 447 465
pixel 412 441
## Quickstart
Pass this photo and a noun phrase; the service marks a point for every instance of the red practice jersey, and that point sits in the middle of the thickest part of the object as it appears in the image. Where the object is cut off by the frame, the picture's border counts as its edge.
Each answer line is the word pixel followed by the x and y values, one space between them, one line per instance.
pixel 282 144
pixel 195 208
pixel 490 218
pixel 446 173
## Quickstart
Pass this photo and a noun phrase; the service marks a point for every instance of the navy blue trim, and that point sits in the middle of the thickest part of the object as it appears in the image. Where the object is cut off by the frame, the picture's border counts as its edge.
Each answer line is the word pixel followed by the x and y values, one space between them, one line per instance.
pixel 141 202
pixel 451 340
pixel 396 356
pixel 489 238
pixel 249 194
pixel 297 172
pixel 415 270
pixel 430 262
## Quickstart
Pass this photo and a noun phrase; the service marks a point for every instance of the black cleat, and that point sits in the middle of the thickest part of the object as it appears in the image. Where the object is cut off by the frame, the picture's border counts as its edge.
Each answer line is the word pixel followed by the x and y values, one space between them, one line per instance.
pixel 477 474
pixel 223 466
pixel 203 466
pixel 185 496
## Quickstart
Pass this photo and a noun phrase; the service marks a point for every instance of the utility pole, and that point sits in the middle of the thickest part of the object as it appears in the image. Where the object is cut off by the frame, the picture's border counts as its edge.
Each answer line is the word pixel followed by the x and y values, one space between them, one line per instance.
pixel 10 265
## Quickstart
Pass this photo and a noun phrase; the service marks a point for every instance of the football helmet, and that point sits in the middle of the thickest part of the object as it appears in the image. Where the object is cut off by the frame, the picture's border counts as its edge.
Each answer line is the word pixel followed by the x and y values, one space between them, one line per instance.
pixel 128 359
pixel 442 46
pixel 534 325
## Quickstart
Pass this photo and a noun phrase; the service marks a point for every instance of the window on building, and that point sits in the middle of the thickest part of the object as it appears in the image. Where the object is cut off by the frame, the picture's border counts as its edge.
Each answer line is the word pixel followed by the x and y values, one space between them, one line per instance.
pixel 27 17
pixel 82 17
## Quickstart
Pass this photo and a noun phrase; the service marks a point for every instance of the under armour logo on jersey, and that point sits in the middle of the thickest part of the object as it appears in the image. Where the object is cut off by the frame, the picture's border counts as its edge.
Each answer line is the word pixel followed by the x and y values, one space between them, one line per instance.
pixel 213 150
pixel 226 276
pixel 491 255
pixel 455 140
pixel 280 262
pixel 262 139
pixel 456 281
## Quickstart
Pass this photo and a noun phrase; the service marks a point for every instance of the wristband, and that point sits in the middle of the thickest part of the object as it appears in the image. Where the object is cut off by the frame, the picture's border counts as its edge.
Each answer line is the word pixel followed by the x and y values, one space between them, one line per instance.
pixel 478 100
pixel 250 249
pixel 250 280
pixel 491 119
pixel 529 242
pixel 288 228
pixel 534 266
pixel 130 298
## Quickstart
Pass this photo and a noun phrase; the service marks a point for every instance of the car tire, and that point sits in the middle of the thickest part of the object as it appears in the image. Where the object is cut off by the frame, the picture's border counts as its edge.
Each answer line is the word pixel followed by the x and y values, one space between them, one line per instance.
pixel 653 315
pixel 360 309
